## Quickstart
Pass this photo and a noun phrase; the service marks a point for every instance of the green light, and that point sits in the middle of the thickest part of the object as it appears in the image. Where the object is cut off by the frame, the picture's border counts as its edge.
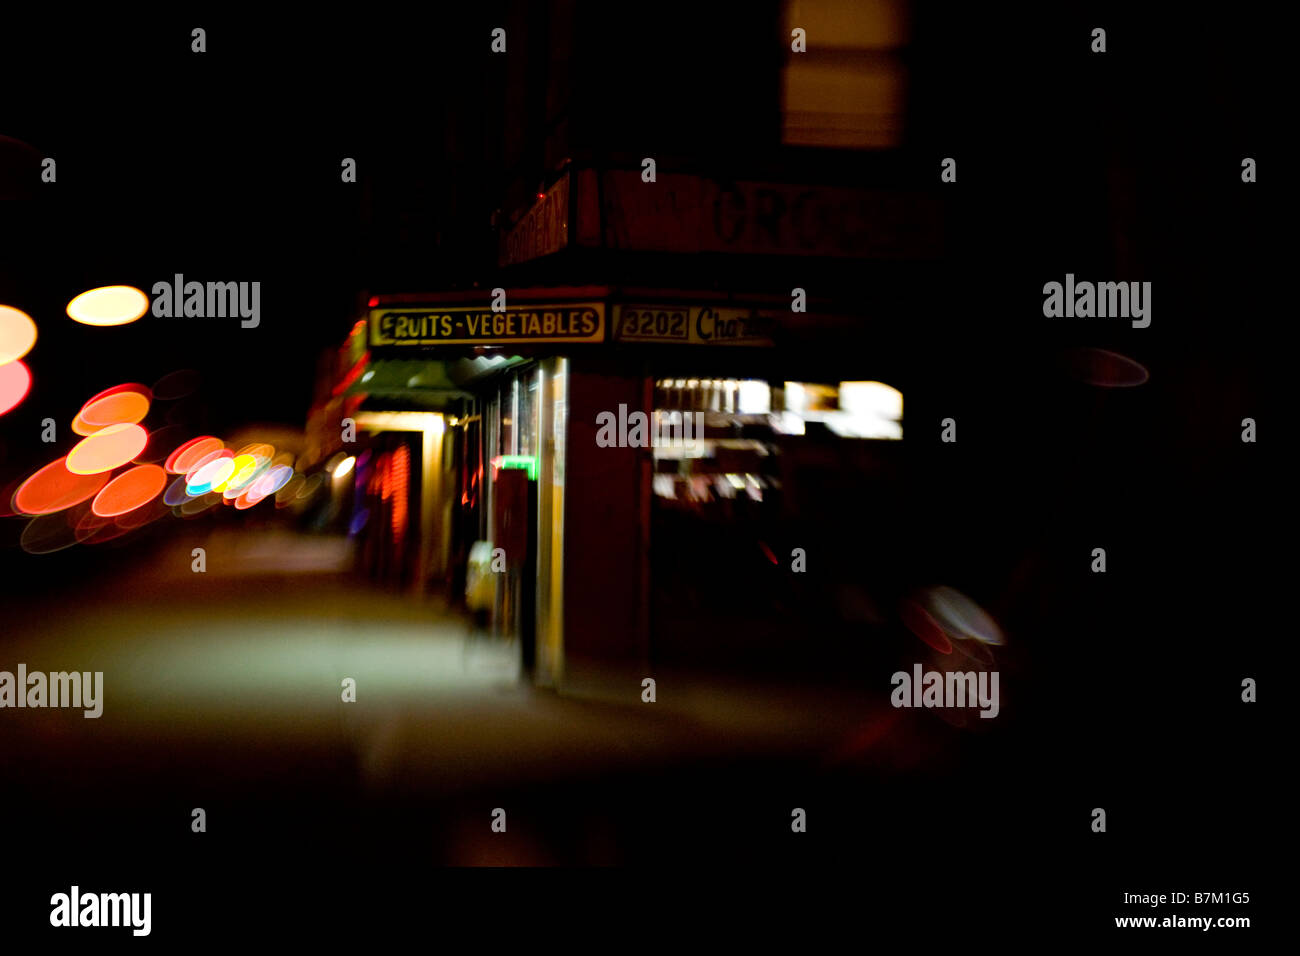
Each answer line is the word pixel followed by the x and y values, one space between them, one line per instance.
pixel 528 462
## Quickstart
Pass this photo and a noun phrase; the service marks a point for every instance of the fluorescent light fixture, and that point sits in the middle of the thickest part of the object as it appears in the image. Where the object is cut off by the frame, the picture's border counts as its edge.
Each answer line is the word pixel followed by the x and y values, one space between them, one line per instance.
pixel 755 398
pixel 874 399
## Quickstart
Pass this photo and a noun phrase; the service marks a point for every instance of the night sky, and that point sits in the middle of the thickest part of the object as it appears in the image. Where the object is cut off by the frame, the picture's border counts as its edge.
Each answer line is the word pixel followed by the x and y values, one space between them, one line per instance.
pixel 223 167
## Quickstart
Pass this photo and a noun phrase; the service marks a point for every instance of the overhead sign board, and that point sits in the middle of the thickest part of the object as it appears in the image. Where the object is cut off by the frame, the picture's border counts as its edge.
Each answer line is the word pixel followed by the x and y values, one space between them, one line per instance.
pixel 687 213
pixel 692 214
pixel 693 325
pixel 568 322
pixel 544 229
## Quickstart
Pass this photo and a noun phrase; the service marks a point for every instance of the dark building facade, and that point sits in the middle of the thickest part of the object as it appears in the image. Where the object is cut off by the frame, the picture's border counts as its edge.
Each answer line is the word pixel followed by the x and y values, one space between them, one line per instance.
pixel 706 224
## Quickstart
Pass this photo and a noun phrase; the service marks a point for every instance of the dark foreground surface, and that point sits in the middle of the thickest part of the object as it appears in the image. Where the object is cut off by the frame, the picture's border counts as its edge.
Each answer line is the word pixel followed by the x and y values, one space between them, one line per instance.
pixel 333 819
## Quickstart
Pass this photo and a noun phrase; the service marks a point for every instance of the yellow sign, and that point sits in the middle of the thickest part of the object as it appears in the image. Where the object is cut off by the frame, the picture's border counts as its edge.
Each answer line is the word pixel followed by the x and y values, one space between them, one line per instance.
pixel 693 325
pixel 572 322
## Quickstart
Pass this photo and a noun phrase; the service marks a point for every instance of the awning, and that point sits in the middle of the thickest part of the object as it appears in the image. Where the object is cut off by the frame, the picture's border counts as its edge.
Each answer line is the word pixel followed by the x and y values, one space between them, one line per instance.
pixel 426 383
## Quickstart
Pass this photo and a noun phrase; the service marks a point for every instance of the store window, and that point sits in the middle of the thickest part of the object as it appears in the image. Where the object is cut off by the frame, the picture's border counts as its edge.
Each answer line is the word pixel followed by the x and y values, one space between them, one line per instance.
pixel 734 498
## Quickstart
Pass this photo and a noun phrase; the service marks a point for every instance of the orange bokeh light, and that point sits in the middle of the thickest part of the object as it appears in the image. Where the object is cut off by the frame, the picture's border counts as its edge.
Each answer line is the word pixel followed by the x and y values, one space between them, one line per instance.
pixel 54 488
pixel 107 449
pixel 184 458
pixel 116 389
pixel 257 450
pixel 81 428
pixel 113 406
pixel 123 407
pixel 211 456
pixel 132 489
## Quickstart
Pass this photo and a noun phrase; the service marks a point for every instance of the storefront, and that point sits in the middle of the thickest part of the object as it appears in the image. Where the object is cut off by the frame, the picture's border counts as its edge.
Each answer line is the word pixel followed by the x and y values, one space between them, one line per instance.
pixel 495 473
pixel 621 462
